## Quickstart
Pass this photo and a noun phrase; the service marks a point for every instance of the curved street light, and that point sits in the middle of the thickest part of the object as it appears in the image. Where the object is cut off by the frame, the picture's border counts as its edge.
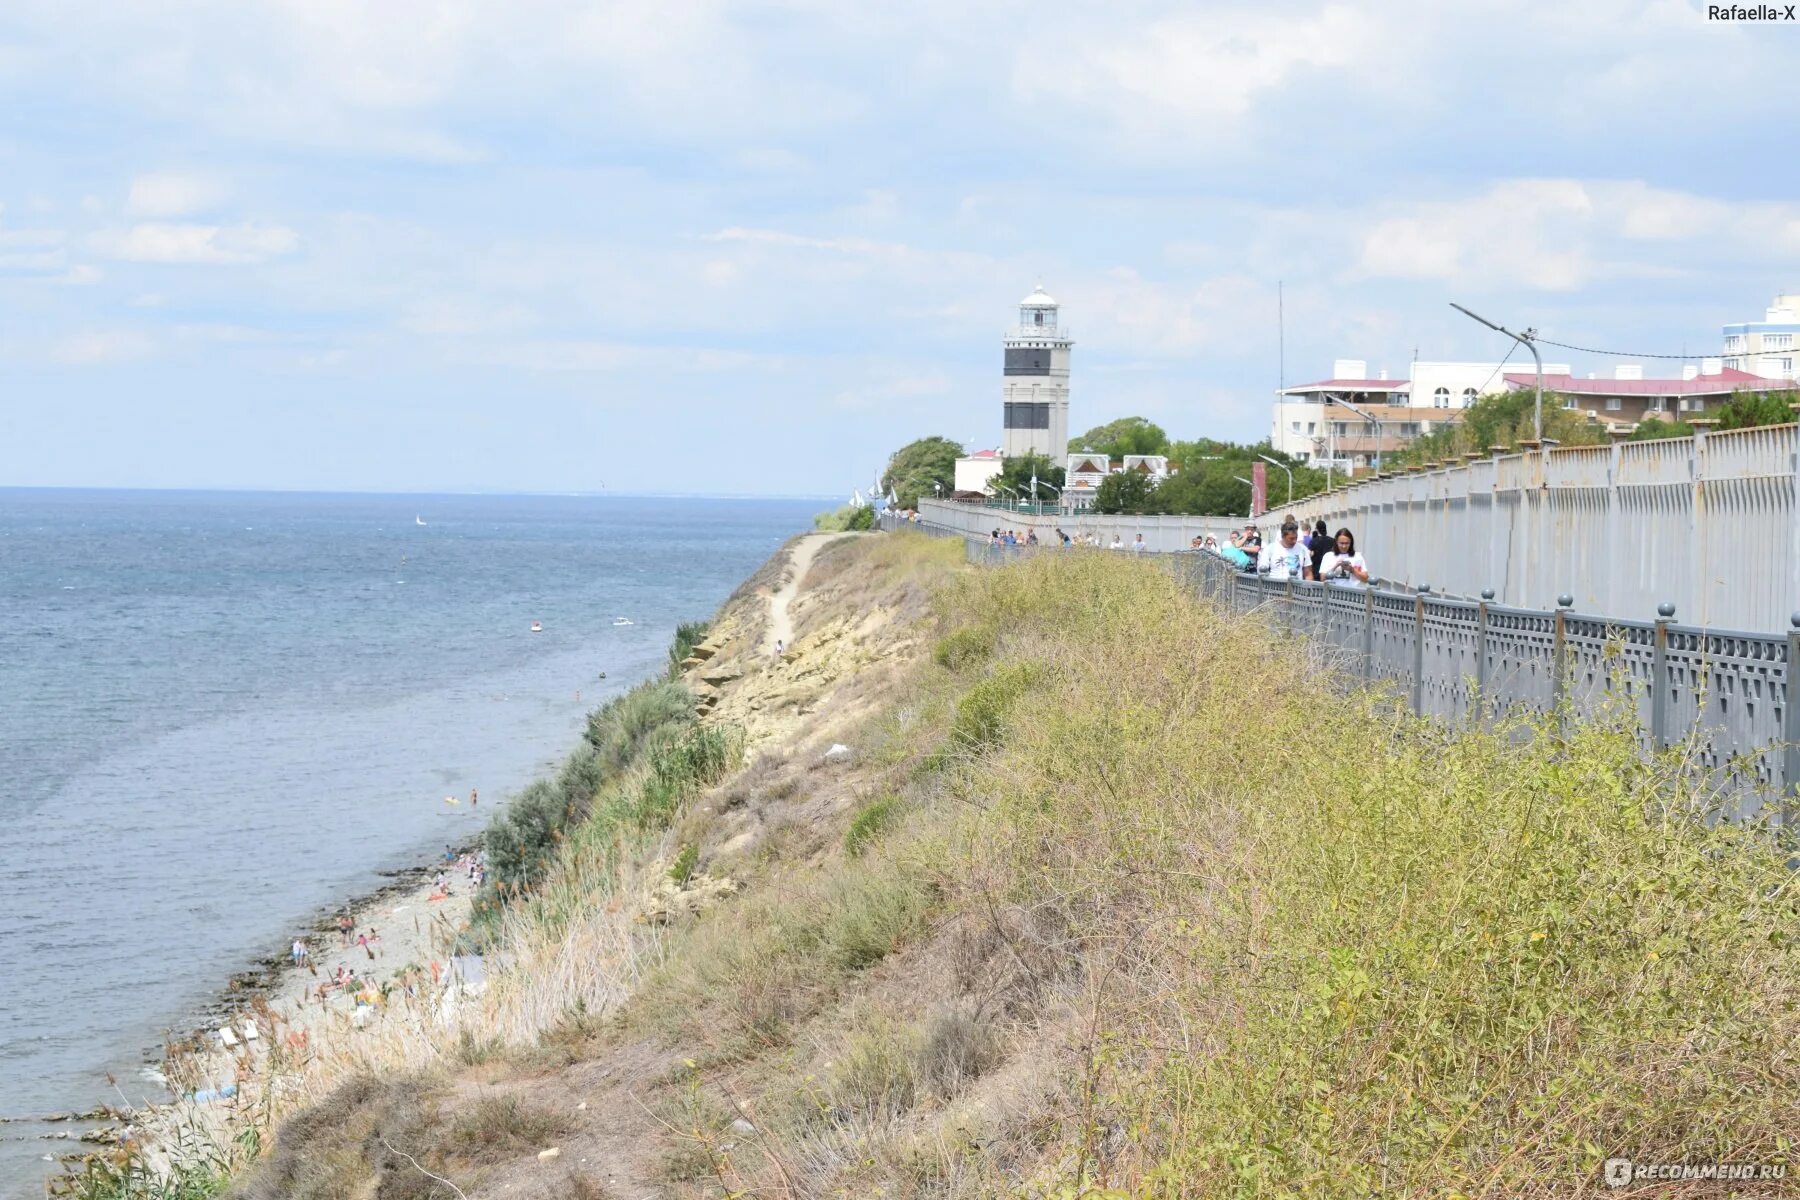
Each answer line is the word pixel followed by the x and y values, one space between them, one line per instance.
pixel 1528 339
pixel 1290 474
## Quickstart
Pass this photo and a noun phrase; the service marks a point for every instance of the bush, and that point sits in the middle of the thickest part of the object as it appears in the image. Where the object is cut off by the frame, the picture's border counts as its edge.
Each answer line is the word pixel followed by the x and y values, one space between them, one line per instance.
pixel 966 647
pixel 619 731
pixel 870 822
pixel 982 712
pixel 495 1128
pixel 682 868
pixel 688 634
pixel 850 518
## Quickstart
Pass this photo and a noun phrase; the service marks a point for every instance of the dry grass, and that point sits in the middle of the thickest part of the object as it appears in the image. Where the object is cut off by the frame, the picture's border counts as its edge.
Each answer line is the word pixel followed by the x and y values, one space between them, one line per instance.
pixel 1140 911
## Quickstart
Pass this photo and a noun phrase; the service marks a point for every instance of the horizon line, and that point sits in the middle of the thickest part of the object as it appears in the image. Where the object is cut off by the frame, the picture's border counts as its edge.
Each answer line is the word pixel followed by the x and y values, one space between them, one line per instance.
pixel 302 491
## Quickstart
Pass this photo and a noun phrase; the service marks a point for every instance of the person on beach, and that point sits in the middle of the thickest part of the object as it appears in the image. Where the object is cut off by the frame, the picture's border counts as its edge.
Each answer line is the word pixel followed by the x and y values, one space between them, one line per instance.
pixel 346 927
pixel 778 647
pixel 298 950
pixel 472 795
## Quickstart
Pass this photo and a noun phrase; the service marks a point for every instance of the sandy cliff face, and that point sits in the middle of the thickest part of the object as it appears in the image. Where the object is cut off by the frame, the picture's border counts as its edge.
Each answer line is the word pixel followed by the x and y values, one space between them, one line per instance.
pixel 839 626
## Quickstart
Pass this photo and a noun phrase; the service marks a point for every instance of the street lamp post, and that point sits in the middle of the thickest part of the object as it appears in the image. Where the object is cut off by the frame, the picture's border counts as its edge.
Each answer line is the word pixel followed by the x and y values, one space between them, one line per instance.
pixel 1037 483
pixel 1272 462
pixel 1375 421
pixel 1528 339
pixel 1252 513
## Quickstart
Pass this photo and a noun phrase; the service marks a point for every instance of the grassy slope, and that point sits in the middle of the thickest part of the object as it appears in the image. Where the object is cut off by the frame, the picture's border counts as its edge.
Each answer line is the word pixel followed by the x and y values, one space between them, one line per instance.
pixel 1107 900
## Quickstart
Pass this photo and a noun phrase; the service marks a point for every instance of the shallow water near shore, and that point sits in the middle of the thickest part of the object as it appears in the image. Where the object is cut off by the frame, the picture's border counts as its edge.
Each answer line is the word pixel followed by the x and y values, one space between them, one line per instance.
pixel 221 712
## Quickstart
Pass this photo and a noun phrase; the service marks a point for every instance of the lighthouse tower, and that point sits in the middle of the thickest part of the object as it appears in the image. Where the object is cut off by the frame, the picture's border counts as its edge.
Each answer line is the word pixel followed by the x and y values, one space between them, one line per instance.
pixel 1036 385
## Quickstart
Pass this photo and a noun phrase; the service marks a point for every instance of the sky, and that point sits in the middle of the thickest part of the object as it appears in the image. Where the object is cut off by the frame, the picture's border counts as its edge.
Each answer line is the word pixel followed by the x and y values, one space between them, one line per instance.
pixel 751 248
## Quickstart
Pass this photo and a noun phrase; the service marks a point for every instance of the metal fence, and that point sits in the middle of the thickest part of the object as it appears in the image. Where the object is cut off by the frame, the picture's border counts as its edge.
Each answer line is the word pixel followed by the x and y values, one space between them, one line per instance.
pixel 1733 696
pixel 1708 523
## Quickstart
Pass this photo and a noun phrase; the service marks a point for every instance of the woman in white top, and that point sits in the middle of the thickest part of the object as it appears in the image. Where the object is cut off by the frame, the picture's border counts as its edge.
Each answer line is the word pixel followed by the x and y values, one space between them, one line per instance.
pixel 1342 564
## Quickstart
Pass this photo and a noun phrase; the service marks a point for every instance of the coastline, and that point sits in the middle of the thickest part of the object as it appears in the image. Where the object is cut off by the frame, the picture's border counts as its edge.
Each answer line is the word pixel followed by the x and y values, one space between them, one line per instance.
pixel 276 998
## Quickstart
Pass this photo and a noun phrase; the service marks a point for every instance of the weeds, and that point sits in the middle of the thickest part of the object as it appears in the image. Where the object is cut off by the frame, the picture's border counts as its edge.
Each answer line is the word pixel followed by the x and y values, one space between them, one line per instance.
pixel 688 634
pixel 870 822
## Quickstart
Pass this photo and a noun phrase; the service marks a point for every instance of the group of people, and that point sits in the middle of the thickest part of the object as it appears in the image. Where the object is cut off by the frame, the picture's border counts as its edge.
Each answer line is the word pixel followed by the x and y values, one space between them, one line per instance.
pixel 1012 537
pixel 1320 555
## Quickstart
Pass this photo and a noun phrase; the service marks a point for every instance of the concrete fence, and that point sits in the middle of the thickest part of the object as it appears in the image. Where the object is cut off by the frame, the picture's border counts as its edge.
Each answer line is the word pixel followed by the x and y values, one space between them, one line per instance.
pixel 1736 696
pixel 1709 524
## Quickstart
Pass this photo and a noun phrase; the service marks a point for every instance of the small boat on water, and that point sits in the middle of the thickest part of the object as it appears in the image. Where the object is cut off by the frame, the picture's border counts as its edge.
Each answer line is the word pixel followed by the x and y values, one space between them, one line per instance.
pixel 418 520
pixel 623 621
pixel 537 627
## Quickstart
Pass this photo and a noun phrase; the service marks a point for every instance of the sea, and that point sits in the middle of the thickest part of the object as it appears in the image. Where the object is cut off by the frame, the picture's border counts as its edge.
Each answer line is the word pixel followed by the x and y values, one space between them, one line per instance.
pixel 221 712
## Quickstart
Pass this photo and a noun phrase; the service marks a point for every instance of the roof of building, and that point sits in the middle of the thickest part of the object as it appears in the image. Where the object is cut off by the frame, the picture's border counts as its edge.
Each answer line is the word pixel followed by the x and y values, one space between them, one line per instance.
pixel 1350 385
pixel 985 454
pixel 1721 384
pixel 1039 298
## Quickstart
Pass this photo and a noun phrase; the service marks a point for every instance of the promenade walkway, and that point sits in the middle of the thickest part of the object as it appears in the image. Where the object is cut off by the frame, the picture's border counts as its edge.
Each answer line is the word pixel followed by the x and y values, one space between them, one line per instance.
pixel 1730 699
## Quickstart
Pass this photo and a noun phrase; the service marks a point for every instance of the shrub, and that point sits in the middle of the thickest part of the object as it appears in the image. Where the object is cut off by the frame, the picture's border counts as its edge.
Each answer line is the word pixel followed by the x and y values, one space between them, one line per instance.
pixel 982 712
pixel 521 841
pixel 686 859
pixel 619 731
pixel 967 647
pixel 849 518
pixel 494 1128
pixel 957 1049
pixel 876 1074
pixel 688 634
pixel 870 822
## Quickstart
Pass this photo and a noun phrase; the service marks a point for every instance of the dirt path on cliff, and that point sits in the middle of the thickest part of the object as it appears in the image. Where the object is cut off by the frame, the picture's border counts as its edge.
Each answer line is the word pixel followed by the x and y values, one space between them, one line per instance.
pixel 781 625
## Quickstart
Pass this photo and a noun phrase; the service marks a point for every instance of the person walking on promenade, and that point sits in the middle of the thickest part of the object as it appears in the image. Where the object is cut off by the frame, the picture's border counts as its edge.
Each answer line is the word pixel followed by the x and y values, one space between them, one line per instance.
pixel 1321 544
pixel 1137 544
pixel 1287 559
pixel 1342 565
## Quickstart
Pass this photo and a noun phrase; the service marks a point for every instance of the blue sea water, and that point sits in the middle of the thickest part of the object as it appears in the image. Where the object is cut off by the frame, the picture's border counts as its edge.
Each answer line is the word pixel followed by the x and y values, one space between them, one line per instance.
pixel 220 712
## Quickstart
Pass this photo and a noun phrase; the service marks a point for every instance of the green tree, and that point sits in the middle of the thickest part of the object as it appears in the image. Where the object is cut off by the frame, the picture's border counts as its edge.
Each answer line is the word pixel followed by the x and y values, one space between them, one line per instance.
pixel 1127 435
pixel 1748 410
pixel 1502 419
pixel 1206 490
pixel 1652 428
pixel 919 467
pixel 1126 492
pixel 1017 473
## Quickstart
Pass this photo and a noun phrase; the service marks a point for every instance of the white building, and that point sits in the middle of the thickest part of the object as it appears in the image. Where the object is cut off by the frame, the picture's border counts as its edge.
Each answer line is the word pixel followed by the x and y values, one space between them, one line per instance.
pixel 1036 381
pixel 973 471
pixel 1353 419
pixel 1156 466
pixel 1766 348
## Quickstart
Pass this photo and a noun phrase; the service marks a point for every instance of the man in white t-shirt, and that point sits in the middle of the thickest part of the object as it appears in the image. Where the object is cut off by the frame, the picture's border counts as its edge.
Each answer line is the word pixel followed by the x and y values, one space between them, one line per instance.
pixel 1342 565
pixel 1286 559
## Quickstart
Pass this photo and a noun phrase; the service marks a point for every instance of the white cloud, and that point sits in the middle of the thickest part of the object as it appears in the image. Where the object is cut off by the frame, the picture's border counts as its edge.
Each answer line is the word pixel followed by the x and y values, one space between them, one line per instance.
pixel 1195 73
pixel 101 348
pixel 166 194
pixel 193 243
pixel 602 357
pixel 1564 234
pixel 451 318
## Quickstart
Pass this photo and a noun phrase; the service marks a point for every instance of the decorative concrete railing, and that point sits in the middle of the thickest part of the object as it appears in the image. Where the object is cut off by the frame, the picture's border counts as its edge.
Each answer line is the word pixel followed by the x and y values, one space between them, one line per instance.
pixel 1732 697
pixel 1709 523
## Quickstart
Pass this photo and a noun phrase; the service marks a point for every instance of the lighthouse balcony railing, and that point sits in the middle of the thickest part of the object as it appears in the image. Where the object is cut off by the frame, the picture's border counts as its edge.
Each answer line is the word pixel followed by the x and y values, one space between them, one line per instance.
pixel 1043 333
